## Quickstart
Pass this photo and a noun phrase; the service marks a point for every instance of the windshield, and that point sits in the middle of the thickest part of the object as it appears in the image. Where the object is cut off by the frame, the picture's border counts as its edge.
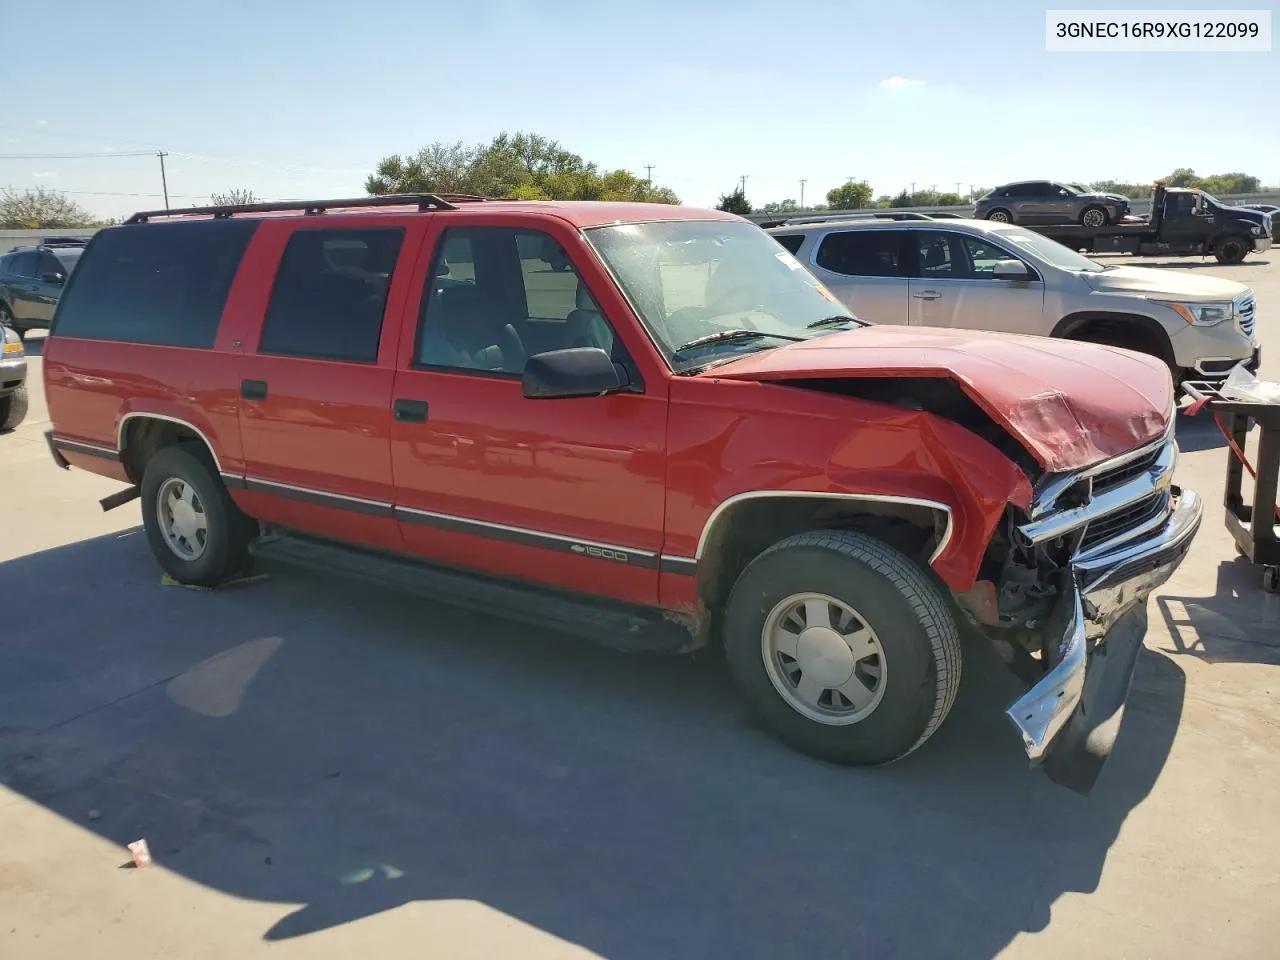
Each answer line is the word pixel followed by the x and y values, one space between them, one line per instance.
pixel 1075 188
pixel 68 258
pixel 693 279
pixel 1049 251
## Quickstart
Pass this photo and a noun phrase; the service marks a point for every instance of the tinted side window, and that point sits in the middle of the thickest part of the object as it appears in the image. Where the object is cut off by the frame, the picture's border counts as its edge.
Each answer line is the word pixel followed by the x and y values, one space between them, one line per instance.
pixel 937 256
pixel 162 284
pixel 978 258
pixel 25 264
pixel 792 241
pixel 862 253
pixel 50 264
pixel 1024 190
pixel 330 294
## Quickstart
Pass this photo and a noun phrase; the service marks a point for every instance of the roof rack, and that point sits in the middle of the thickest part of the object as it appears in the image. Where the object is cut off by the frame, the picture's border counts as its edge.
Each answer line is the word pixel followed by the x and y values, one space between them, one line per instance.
pixel 423 201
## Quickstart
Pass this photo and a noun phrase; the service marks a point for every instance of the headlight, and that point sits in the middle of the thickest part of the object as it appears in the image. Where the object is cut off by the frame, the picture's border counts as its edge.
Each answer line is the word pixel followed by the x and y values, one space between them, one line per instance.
pixel 12 343
pixel 1257 230
pixel 1204 314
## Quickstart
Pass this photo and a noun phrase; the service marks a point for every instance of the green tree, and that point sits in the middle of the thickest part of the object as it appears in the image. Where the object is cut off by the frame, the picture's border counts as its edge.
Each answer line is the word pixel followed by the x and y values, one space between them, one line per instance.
pixel 233 198
pixel 38 208
pixel 850 195
pixel 735 202
pixel 523 166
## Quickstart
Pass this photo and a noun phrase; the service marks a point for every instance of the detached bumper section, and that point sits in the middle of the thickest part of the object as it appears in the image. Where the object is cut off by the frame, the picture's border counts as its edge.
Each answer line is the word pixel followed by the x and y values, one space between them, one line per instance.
pixel 1142 528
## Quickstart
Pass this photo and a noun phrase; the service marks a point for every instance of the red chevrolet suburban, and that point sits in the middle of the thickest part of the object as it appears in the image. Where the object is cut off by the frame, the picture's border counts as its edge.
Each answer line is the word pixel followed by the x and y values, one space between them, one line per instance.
pixel 650 423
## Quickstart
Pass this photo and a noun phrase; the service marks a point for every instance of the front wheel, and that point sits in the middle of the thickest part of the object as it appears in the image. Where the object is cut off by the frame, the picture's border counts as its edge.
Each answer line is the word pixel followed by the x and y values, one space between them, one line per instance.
pixel 13 409
pixel 1231 249
pixel 196 532
pixel 843 646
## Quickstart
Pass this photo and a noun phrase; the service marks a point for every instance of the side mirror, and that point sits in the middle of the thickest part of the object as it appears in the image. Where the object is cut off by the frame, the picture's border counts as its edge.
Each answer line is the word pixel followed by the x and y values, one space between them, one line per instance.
pixel 572 372
pixel 51 278
pixel 1011 270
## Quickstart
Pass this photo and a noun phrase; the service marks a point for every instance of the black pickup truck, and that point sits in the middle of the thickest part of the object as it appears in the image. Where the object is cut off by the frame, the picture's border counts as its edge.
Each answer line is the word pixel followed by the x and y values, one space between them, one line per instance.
pixel 1183 222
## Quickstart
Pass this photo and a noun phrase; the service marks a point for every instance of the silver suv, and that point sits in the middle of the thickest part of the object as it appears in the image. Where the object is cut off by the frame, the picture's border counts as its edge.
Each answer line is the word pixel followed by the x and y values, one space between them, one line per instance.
pixel 980 275
pixel 1044 201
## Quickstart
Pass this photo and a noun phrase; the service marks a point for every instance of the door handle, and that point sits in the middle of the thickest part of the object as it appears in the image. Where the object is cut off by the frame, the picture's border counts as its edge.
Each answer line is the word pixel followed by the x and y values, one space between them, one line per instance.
pixel 927 295
pixel 253 389
pixel 410 411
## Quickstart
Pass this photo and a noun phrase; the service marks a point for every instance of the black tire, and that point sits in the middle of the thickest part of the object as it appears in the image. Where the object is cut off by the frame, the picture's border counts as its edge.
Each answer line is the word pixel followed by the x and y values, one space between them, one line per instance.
pixel 892 596
pixel 999 215
pixel 1271 579
pixel 225 549
pixel 1089 216
pixel 1232 248
pixel 13 409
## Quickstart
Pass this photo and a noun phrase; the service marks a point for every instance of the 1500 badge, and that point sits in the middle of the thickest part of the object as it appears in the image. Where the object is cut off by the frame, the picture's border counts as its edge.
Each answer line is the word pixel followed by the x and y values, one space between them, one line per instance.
pixel 600 553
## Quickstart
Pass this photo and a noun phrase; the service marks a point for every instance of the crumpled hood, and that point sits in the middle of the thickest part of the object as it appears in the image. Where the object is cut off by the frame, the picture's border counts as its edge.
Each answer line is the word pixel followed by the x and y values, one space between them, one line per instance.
pixel 1164 284
pixel 1112 197
pixel 1070 404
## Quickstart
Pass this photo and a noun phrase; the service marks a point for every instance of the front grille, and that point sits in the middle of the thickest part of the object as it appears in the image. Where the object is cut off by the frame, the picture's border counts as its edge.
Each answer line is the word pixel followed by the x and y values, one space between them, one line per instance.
pixel 1114 524
pixel 1126 471
pixel 1245 309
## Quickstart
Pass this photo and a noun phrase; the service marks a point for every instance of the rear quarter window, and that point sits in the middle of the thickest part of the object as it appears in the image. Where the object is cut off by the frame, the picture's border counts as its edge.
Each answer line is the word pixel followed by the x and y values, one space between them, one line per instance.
pixel 164 284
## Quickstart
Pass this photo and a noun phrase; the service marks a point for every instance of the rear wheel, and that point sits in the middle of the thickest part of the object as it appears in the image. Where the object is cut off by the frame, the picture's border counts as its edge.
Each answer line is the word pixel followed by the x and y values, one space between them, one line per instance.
pixel 1000 215
pixel 1094 217
pixel 198 535
pixel 13 409
pixel 843 647
pixel 1231 249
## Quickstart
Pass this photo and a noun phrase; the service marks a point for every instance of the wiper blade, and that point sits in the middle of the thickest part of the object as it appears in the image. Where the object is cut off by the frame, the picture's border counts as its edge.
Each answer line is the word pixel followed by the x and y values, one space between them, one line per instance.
pixel 831 322
pixel 724 336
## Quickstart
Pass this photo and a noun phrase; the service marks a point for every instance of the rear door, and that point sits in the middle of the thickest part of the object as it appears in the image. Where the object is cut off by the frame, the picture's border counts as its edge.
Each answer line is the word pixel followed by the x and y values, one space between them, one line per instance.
pixel 1037 202
pixel 317 373
pixel 568 493
pixel 864 269
pixel 953 285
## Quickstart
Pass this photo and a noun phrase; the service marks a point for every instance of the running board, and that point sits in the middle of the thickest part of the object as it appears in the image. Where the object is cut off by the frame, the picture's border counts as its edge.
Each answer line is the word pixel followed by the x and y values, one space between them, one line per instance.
pixel 631 629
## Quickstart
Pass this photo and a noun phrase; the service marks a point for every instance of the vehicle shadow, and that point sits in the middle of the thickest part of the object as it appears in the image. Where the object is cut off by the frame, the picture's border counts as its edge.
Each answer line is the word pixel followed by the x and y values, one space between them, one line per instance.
pixel 1234 623
pixel 305 740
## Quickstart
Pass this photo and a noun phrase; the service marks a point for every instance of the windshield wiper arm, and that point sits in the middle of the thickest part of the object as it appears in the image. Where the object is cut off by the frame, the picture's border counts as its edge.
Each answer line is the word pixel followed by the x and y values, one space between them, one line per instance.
pixel 831 322
pixel 725 336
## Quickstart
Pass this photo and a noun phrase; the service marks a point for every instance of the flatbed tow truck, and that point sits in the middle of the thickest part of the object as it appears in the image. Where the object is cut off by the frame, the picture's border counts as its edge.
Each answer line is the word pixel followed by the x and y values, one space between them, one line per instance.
pixel 1183 222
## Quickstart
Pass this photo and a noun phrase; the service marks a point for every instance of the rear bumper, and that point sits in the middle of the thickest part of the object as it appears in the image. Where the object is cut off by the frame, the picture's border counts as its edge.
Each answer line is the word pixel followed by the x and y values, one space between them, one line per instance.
pixel 1070 718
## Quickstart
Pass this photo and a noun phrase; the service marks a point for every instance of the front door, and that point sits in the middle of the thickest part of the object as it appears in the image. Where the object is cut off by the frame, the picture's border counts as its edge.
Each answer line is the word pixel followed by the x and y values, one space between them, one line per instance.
pixel 33 297
pixel 1181 225
pixel 863 268
pixel 316 379
pixel 568 493
pixel 953 285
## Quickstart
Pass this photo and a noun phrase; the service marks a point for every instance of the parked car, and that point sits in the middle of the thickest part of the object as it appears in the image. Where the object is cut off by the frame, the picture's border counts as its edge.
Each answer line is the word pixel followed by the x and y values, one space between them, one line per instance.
pixel 31 281
pixel 1045 201
pixel 680 439
pixel 13 379
pixel 982 275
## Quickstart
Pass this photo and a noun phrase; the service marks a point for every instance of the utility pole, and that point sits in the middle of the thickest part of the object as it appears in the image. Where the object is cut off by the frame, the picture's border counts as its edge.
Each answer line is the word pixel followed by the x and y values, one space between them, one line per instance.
pixel 744 184
pixel 164 182
pixel 802 183
pixel 957 188
pixel 913 187
pixel 648 170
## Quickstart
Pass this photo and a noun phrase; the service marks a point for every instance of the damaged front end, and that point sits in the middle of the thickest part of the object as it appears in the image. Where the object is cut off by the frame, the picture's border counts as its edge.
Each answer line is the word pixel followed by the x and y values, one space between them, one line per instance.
pixel 1063 598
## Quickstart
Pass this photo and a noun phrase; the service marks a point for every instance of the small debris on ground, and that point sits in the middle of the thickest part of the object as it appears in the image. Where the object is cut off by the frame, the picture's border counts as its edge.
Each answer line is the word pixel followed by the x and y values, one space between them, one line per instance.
pixel 141 853
pixel 168 581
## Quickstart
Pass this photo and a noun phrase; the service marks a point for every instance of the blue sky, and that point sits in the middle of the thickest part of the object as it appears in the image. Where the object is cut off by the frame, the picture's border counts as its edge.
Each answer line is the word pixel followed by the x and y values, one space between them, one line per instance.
pixel 303 102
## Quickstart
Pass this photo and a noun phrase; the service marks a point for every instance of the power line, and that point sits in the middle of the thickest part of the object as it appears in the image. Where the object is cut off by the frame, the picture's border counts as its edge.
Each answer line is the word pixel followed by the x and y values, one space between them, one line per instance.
pixel 76 156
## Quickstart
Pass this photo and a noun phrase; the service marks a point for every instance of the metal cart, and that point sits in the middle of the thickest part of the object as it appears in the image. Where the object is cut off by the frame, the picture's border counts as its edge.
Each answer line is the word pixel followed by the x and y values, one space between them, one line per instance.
pixel 1252 525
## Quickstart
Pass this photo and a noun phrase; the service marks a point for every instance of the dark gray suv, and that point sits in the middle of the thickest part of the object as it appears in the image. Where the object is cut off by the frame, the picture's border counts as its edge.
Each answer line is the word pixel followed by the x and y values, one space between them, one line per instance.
pixel 1046 201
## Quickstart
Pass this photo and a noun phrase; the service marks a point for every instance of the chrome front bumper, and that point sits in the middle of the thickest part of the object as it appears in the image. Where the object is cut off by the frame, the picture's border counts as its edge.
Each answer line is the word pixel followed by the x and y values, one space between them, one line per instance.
pixel 1261 244
pixel 1070 718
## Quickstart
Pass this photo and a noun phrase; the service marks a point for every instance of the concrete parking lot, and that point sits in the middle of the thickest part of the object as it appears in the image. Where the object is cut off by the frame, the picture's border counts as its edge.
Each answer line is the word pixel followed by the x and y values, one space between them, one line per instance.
pixel 325 769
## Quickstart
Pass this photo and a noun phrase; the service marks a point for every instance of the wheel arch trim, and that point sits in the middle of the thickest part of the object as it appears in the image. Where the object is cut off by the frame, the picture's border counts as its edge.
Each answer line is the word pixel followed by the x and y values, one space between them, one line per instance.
pixel 146 414
pixel 717 515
